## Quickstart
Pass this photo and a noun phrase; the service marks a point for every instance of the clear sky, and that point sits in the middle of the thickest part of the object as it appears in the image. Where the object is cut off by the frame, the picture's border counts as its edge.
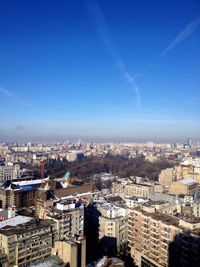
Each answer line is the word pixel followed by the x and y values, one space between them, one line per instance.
pixel 100 70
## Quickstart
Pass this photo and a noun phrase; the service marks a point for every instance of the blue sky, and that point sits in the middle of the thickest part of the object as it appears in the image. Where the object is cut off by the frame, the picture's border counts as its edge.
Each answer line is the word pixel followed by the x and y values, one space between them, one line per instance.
pixel 100 70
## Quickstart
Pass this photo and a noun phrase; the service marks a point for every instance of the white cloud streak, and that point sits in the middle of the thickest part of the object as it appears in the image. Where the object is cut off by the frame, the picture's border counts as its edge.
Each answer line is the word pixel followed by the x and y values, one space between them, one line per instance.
pixel 185 33
pixel 17 98
pixel 5 92
pixel 100 23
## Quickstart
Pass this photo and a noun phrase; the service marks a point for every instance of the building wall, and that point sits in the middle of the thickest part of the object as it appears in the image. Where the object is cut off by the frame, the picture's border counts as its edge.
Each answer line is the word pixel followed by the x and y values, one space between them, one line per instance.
pixel 138 190
pixel 10 198
pixel 9 172
pixel 115 227
pixel 177 188
pixel 159 242
pixel 72 252
pixel 68 223
pixel 149 238
pixel 196 209
pixel 166 177
pixel 29 245
pixel 17 198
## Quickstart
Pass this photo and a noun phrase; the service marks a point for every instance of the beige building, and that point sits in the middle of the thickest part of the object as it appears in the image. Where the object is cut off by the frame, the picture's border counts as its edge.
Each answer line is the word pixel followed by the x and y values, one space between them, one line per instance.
pixel 71 251
pixel 9 172
pixel 68 222
pixel 188 169
pixel 113 222
pixel 25 240
pixel 157 239
pixel 3 260
pixel 133 189
pixel 166 177
pixel 13 194
pixel 44 201
pixel 184 186
pixel 10 195
pixel 196 209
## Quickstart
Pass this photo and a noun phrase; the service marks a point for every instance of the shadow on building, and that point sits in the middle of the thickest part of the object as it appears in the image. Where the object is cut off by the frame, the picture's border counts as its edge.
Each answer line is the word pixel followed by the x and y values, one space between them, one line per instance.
pixel 91 232
pixel 108 246
pixel 184 251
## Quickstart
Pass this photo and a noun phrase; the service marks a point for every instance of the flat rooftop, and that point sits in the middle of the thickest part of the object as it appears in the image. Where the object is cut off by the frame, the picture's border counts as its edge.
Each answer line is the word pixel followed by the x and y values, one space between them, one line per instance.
pixel 17 220
pixel 31 225
pixel 170 220
pixel 51 261
pixel 30 182
pixel 187 181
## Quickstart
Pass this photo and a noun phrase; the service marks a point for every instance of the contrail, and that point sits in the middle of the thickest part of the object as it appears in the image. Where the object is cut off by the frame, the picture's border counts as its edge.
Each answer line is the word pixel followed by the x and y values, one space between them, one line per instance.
pixel 187 31
pixel 19 99
pixel 6 92
pixel 101 26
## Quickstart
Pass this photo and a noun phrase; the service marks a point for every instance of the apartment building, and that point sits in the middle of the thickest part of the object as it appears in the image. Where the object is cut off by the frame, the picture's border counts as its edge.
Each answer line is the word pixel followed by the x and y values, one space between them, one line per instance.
pixel 160 240
pixel 69 218
pixel 17 194
pixel 10 195
pixel 25 240
pixel 113 222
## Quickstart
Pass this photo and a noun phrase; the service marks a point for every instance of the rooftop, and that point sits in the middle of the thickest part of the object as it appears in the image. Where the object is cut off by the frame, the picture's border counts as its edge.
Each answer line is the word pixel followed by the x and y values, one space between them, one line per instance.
pixel 70 191
pixel 17 220
pixel 51 261
pixel 31 225
pixel 170 220
pixel 187 181
pixel 29 182
pixel 164 197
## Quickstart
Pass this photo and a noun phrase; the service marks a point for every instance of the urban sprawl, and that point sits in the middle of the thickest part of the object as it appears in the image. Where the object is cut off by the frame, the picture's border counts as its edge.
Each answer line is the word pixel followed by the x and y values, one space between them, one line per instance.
pixel 57 211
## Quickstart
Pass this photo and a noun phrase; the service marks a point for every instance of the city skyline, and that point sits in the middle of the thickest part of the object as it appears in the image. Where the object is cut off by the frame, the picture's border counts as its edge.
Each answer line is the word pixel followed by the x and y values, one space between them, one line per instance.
pixel 99 70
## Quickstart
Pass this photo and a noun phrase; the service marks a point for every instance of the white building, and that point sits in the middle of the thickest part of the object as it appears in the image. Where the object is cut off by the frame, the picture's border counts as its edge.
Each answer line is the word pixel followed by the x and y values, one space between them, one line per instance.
pixel 113 222
pixel 9 172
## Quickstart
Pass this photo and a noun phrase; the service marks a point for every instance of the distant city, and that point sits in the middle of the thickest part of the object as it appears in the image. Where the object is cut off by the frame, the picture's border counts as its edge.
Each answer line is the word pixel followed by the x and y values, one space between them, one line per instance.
pixel 75 204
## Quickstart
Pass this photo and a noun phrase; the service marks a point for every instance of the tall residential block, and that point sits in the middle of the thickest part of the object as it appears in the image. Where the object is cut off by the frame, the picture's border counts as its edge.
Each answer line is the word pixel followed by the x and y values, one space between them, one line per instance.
pixel 69 218
pixel 26 240
pixel 160 240
pixel 113 222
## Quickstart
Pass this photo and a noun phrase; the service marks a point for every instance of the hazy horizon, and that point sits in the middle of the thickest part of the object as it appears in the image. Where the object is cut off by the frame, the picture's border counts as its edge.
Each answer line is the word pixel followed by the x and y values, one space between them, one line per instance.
pixel 97 139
